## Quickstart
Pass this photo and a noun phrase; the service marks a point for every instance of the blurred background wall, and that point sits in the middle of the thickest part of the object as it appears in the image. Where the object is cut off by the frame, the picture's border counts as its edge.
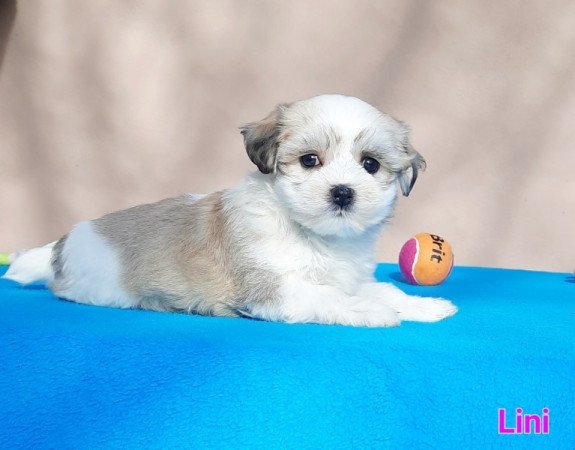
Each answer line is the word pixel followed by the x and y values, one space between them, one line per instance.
pixel 107 104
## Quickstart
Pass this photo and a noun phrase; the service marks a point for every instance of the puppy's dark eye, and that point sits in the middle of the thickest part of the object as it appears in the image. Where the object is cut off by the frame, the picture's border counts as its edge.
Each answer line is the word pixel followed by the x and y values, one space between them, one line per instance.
pixel 309 160
pixel 370 165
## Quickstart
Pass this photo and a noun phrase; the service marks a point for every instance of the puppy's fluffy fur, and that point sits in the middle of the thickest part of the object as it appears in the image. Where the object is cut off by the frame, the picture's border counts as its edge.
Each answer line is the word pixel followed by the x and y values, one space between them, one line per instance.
pixel 293 242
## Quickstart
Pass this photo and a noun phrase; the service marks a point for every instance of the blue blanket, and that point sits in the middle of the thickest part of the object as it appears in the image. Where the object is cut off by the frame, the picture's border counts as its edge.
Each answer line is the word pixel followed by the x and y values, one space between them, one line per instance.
pixel 77 376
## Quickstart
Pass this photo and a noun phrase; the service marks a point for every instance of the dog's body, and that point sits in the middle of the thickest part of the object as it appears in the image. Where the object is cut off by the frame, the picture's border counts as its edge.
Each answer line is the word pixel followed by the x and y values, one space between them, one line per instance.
pixel 293 243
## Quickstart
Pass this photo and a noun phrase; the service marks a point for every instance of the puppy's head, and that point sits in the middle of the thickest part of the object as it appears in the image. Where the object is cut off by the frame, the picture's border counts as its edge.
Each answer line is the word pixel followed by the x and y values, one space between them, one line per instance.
pixel 335 162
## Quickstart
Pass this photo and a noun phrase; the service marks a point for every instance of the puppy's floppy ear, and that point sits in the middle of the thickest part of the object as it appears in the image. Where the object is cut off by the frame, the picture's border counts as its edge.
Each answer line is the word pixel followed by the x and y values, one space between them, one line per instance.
pixel 261 139
pixel 415 163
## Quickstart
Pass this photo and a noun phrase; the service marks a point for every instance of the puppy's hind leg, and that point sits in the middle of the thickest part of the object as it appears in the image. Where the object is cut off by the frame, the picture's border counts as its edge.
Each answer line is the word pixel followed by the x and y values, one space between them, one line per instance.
pixel 88 269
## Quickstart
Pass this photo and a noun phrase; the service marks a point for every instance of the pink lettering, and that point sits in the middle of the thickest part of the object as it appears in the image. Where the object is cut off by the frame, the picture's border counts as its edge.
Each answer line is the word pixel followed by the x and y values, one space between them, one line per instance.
pixel 502 428
pixel 524 423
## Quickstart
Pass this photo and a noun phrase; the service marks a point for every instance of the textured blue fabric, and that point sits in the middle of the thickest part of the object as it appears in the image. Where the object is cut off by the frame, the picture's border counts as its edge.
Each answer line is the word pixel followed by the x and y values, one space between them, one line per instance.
pixel 76 376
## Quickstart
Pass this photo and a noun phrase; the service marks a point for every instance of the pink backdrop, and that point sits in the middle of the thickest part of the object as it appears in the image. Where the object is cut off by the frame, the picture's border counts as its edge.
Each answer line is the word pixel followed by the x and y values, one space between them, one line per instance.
pixel 107 104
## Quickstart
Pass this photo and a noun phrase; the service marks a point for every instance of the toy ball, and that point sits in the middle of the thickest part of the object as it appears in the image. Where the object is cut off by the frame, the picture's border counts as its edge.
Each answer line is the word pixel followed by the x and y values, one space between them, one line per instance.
pixel 426 259
pixel 4 259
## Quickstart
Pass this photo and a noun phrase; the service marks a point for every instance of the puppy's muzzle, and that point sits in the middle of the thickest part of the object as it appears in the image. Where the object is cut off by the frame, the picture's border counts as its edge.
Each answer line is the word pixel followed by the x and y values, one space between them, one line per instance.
pixel 342 196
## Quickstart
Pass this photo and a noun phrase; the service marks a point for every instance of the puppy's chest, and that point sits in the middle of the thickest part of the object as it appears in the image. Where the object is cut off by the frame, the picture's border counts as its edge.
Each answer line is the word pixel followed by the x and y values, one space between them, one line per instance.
pixel 341 266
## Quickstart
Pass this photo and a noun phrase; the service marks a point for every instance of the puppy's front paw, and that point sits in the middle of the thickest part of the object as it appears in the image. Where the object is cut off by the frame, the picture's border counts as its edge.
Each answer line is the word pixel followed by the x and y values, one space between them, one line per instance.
pixel 422 309
pixel 369 313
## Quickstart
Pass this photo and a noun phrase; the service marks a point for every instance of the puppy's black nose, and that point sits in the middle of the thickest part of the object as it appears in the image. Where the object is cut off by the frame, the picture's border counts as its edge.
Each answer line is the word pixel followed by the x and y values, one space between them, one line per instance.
pixel 342 195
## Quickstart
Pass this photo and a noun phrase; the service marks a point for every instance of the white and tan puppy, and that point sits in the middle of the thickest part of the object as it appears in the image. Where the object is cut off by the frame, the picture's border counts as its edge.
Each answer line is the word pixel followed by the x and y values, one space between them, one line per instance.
pixel 293 242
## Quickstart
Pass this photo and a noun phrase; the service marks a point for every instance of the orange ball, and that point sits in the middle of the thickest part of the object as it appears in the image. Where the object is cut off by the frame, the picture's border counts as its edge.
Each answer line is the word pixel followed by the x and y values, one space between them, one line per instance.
pixel 426 259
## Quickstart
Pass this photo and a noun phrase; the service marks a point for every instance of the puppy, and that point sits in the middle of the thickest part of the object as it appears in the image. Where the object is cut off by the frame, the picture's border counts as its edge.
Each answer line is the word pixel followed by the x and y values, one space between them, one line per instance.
pixel 291 243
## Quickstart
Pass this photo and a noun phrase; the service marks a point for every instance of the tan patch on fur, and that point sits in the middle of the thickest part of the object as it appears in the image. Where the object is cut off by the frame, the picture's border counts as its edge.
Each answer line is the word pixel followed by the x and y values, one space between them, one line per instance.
pixel 175 255
pixel 187 256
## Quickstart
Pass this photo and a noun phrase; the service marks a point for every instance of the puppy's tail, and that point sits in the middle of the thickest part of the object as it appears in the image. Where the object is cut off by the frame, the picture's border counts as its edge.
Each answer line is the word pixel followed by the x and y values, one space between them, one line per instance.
pixel 33 265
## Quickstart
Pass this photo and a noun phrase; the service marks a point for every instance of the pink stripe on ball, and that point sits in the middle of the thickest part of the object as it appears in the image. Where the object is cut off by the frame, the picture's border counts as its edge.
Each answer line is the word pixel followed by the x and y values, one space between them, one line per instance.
pixel 407 256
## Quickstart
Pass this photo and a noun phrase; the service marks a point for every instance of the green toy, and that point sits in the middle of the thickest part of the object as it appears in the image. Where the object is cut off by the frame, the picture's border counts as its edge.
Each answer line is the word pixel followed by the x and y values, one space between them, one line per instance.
pixel 4 259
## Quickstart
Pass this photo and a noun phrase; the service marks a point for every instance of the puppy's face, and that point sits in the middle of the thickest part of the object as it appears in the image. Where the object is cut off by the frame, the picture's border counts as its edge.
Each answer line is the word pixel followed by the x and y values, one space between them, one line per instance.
pixel 335 162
